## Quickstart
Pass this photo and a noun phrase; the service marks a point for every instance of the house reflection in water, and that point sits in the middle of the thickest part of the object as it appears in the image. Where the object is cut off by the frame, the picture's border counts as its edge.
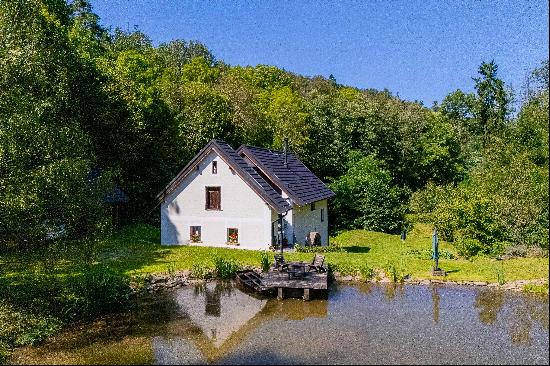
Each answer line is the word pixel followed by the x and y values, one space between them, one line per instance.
pixel 216 317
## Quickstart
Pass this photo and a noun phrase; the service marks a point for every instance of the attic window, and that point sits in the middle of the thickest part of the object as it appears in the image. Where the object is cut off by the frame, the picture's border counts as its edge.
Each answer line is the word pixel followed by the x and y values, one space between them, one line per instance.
pixel 214 167
pixel 213 198
pixel 313 206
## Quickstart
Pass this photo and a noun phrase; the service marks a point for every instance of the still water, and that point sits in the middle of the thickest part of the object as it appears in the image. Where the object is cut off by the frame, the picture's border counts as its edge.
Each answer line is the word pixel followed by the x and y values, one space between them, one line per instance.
pixel 358 324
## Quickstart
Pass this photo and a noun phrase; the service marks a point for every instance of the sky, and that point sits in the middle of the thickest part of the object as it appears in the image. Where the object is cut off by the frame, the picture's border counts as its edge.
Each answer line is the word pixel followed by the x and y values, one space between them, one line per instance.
pixel 418 50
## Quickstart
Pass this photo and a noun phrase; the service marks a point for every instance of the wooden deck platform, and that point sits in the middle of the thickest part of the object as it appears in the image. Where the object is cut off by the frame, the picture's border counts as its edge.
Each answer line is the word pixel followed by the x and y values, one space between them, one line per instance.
pixel 280 281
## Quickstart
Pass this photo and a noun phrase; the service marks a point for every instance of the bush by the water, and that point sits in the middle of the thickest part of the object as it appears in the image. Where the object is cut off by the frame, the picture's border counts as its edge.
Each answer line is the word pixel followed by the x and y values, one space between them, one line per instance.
pixel 38 304
pixel 201 271
pixel 225 268
pixel 265 262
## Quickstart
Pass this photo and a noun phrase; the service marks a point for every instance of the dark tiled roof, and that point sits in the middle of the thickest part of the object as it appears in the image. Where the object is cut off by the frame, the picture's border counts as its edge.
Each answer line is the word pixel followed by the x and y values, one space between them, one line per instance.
pixel 247 173
pixel 302 186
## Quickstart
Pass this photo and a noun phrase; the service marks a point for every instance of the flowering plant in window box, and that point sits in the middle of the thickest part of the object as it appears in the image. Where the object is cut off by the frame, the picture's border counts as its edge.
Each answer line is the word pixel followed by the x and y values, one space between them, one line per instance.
pixel 233 238
pixel 195 237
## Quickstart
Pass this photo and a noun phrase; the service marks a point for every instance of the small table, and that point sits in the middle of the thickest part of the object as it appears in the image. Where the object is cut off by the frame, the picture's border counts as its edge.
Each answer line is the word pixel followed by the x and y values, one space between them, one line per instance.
pixel 296 270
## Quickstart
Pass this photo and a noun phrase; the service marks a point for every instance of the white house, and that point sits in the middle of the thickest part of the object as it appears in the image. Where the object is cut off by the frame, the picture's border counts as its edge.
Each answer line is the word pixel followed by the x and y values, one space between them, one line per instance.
pixel 238 197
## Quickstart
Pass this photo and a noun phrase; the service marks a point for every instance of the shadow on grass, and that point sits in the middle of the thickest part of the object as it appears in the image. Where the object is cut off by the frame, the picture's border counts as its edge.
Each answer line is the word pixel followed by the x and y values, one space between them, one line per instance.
pixel 452 271
pixel 357 249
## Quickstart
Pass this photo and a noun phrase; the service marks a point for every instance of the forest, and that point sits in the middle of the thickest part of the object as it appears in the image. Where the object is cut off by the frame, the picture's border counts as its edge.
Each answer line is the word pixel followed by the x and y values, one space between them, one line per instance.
pixel 85 109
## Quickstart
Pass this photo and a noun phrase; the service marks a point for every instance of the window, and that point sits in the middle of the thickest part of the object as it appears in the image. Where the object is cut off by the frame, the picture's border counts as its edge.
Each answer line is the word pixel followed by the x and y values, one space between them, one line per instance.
pixel 322 214
pixel 313 206
pixel 214 167
pixel 195 234
pixel 213 198
pixel 233 236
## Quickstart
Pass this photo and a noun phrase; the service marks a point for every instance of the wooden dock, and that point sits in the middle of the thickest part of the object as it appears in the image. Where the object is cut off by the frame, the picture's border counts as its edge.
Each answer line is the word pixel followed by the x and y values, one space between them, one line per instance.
pixel 279 280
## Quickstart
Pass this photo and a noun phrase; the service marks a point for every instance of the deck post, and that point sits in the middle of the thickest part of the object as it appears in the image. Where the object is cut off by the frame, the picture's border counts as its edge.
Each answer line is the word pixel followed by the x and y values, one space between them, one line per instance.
pixel 280 293
pixel 306 294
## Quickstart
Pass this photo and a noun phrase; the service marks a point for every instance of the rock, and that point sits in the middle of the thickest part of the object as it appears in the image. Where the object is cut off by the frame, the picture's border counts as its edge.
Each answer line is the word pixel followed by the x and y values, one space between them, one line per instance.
pixel 347 278
pixel 480 283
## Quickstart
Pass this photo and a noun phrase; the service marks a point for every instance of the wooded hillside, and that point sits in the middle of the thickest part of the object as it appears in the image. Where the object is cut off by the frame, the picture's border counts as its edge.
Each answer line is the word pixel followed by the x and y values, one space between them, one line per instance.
pixel 84 109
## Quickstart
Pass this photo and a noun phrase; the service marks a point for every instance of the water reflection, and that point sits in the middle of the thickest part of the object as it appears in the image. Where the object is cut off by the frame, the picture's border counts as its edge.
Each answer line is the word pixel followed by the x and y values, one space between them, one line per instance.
pixel 218 323
pixel 489 302
pixel 435 303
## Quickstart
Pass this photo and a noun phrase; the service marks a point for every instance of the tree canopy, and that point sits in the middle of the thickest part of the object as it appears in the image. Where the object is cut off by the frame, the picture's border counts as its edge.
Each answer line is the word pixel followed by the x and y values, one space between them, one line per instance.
pixel 84 109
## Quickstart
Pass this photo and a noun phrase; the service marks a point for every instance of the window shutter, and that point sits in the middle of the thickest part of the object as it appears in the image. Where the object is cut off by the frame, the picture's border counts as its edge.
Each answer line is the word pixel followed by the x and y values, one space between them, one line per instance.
pixel 206 199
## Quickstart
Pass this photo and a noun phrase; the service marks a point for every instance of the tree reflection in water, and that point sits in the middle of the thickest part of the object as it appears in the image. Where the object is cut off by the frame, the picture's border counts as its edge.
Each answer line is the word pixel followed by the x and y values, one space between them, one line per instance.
pixel 489 303
pixel 435 303
pixel 523 312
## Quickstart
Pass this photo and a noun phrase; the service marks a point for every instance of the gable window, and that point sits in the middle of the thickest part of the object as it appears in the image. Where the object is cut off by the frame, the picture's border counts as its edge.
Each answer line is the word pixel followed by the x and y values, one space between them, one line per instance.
pixel 233 236
pixel 313 206
pixel 213 198
pixel 214 167
pixel 195 234
pixel 322 214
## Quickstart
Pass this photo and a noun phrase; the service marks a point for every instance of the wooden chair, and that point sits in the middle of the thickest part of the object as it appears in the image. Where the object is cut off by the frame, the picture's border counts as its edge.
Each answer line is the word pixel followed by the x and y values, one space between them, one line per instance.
pixel 279 263
pixel 317 264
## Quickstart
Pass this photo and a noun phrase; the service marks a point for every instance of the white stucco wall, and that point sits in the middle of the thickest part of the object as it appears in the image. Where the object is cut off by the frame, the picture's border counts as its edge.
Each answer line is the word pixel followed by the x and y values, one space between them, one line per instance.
pixel 304 221
pixel 241 208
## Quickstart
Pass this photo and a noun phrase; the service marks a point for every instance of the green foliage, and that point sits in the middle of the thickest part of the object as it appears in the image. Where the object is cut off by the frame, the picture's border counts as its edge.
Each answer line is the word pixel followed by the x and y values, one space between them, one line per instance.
pixel 366 272
pixel 365 198
pixel 201 271
pixel 500 275
pixel 265 262
pixel 394 272
pixel 536 289
pixel 225 268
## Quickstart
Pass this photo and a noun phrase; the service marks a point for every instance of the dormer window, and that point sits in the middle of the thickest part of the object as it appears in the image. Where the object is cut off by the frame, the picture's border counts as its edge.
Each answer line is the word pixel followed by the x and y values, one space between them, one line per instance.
pixel 214 167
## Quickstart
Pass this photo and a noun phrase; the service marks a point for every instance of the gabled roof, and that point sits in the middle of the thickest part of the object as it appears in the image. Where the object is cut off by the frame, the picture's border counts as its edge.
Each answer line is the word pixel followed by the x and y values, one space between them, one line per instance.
pixel 241 168
pixel 301 185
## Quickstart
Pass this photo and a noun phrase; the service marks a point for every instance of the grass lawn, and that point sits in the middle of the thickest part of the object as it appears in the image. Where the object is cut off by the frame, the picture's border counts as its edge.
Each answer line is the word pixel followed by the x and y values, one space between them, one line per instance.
pixel 135 251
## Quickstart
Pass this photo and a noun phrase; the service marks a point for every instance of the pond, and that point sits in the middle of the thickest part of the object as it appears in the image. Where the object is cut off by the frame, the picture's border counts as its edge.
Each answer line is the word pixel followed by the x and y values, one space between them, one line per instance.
pixel 358 324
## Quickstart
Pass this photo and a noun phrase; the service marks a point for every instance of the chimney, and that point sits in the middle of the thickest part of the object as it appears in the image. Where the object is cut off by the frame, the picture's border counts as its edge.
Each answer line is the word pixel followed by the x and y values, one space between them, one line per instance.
pixel 285 153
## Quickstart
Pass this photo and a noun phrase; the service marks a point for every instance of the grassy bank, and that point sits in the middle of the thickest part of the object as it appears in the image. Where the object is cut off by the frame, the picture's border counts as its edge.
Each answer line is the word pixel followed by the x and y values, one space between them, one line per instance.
pixel 134 251
pixel 44 289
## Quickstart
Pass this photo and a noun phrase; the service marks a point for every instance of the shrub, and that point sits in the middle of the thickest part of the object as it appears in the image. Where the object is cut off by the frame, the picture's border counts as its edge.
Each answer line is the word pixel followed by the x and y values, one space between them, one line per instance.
pixel 366 272
pixel 394 273
pixel 98 289
pixel 225 268
pixel 468 247
pixel 19 328
pixel 201 271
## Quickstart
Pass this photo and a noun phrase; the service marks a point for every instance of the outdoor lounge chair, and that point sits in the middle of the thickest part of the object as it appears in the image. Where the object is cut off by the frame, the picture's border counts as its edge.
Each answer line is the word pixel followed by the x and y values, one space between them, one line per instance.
pixel 279 263
pixel 317 264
